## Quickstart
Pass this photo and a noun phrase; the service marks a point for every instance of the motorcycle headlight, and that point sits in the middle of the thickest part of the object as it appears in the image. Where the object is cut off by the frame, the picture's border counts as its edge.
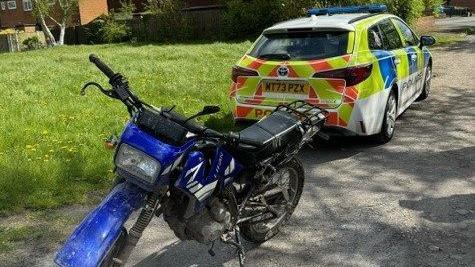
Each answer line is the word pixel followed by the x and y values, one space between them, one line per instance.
pixel 137 163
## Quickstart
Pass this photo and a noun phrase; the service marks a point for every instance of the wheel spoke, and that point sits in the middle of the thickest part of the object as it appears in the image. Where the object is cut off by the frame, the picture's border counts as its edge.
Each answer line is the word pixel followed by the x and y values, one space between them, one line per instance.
pixel 285 193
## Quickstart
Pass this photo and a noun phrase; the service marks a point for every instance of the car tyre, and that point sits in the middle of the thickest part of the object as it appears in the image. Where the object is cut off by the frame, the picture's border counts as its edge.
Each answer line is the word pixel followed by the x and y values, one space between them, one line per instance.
pixel 426 88
pixel 389 120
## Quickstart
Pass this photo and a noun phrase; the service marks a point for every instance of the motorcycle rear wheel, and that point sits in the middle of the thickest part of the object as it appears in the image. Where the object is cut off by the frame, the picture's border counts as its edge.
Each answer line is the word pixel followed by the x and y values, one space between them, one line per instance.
pixel 261 232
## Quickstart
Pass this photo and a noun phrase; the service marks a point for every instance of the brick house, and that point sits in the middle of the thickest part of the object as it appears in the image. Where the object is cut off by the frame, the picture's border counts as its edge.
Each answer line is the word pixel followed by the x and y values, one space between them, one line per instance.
pixel 18 13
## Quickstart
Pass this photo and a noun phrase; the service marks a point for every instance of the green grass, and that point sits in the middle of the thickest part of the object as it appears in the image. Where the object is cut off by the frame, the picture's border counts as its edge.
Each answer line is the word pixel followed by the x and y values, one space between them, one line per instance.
pixel 51 138
pixel 12 235
pixel 448 38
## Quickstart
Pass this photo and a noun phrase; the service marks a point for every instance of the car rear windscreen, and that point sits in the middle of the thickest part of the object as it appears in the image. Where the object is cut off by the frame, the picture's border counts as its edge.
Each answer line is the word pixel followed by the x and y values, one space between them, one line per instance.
pixel 300 46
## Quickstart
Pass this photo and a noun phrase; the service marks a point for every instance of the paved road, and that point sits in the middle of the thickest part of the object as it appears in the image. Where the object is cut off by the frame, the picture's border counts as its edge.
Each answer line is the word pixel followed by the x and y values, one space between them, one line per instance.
pixel 408 203
pixel 455 24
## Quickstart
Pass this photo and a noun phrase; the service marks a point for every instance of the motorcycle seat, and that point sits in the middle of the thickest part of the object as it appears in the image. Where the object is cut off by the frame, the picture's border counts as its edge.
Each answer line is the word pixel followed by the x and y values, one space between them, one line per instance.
pixel 274 133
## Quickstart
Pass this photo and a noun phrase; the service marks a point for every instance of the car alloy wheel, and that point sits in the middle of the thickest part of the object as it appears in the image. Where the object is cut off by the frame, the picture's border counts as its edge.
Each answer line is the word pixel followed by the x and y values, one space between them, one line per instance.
pixel 391 115
pixel 427 81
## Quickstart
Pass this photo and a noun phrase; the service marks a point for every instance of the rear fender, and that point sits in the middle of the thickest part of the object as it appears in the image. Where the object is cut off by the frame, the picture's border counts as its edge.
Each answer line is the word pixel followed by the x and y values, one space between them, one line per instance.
pixel 95 236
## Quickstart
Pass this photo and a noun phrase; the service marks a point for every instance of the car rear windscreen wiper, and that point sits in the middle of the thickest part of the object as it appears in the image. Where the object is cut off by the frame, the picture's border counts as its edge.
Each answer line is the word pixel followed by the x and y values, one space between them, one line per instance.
pixel 283 56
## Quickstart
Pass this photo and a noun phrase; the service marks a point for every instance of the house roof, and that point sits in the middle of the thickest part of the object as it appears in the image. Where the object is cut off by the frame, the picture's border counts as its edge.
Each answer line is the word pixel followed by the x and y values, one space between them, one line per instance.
pixel 341 22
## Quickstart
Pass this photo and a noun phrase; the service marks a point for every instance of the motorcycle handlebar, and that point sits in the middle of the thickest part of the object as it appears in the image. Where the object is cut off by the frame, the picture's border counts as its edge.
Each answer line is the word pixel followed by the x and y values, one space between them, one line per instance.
pixel 229 137
pixel 102 66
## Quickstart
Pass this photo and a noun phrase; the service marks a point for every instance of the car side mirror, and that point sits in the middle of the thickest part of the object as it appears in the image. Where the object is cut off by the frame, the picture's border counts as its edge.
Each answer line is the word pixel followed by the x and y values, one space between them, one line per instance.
pixel 427 40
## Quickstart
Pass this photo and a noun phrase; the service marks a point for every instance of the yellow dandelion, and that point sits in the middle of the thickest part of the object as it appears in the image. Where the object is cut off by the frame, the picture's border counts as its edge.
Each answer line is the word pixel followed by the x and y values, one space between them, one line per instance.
pixel 45 132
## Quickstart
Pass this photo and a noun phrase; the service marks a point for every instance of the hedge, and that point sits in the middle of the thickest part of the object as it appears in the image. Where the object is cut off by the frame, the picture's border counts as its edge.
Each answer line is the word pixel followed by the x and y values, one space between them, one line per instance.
pixel 249 17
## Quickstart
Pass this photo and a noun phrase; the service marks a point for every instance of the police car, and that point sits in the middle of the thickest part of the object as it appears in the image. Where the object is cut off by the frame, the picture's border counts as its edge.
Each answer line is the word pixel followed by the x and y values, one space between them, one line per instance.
pixel 361 64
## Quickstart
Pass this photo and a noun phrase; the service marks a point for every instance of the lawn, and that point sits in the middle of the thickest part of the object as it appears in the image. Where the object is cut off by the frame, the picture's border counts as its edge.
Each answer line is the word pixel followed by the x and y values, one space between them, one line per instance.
pixel 52 139
pixel 427 26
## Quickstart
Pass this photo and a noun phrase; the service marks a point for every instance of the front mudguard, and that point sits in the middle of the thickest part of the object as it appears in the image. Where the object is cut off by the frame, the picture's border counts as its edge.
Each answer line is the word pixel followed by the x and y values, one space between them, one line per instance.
pixel 95 236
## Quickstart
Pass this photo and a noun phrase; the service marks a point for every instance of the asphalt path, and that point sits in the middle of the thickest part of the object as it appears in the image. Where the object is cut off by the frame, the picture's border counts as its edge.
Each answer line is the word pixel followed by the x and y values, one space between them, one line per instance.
pixel 410 202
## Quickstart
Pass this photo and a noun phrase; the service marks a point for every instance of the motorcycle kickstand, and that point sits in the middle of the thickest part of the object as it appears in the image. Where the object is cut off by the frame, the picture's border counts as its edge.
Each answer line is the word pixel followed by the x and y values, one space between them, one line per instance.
pixel 238 244
pixel 241 252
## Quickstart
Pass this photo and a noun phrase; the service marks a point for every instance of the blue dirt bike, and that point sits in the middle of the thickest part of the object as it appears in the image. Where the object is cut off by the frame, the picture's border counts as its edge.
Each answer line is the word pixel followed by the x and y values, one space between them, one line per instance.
pixel 209 186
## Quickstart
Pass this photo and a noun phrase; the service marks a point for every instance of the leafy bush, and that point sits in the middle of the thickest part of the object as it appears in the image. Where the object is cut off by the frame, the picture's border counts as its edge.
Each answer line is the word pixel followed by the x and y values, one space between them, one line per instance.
pixel 32 43
pixel 93 31
pixel 244 18
pixel 408 10
pixel 114 31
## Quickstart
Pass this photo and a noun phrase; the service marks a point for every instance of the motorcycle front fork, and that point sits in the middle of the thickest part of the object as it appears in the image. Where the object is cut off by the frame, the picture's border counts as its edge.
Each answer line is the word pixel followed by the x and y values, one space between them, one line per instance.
pixel 135 233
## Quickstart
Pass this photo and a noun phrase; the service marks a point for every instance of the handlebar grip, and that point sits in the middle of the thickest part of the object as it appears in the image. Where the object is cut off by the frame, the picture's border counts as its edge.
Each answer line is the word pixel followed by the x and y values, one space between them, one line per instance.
pixel 102 66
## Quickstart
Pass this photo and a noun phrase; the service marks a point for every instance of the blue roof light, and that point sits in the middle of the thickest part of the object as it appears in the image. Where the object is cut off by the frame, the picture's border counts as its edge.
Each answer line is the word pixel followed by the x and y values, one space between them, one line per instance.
pixel 375 8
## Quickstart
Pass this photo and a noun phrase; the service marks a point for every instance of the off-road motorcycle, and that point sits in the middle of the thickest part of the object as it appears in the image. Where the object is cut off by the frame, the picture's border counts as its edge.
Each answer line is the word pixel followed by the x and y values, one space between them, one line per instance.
pixel 209 186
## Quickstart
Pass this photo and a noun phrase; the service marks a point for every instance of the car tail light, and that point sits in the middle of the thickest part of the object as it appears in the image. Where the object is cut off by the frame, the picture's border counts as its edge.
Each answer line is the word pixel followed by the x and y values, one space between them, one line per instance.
pixel 352 76
pixel 239 71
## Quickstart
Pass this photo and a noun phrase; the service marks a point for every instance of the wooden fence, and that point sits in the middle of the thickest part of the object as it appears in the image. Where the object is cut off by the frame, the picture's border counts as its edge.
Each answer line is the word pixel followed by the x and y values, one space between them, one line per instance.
pixel 199 24
pixel 9 43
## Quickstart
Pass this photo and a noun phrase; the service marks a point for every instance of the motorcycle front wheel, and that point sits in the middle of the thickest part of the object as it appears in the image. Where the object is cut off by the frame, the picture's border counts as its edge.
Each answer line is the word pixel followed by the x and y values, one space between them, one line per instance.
pixel 281 198
pixel 115 250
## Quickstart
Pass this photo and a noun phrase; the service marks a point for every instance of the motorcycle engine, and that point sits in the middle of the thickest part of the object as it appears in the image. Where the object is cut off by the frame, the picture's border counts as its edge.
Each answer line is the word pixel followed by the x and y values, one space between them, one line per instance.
pixel 206 226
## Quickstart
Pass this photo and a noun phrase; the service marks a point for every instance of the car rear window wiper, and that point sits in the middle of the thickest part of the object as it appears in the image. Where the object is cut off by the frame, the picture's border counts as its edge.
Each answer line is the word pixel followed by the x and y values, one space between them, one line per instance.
pixel 283 56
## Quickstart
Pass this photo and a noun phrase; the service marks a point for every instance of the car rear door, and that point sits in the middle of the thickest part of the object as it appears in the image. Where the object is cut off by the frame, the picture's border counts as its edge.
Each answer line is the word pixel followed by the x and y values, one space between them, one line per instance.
pixel 393 43
pixel 415 59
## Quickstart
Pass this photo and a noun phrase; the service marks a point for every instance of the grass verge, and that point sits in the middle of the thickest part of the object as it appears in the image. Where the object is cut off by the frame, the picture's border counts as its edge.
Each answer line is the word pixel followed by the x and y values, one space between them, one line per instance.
pixel 427 26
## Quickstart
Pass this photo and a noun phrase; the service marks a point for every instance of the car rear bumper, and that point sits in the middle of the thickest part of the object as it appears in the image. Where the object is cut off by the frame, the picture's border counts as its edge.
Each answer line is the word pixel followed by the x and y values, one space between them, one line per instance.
pixel 334 124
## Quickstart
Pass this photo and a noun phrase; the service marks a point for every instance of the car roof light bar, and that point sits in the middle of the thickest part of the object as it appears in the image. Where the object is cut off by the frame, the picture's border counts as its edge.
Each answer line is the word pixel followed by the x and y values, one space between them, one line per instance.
pixel 374 8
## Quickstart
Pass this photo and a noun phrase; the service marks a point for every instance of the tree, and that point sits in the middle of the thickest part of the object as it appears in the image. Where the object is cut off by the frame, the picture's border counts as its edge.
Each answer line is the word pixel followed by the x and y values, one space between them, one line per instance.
pixel 45 9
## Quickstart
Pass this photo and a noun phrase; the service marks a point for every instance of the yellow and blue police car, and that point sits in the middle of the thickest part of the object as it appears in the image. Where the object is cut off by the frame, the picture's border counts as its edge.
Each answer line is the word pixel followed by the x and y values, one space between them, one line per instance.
pixel 361 64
